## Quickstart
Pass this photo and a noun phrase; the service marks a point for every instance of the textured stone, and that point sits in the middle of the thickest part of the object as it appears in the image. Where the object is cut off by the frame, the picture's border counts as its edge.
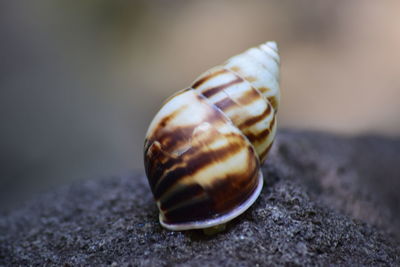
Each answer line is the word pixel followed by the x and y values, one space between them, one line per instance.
pixel 326 200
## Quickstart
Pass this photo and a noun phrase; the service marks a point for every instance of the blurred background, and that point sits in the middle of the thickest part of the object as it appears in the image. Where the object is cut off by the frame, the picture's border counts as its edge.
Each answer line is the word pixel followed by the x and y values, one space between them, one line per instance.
pixel 81 80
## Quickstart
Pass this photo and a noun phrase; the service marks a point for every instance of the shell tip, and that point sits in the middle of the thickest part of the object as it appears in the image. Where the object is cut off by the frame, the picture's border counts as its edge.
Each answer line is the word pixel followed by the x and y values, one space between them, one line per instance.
pixel 272 44
pixel 271 48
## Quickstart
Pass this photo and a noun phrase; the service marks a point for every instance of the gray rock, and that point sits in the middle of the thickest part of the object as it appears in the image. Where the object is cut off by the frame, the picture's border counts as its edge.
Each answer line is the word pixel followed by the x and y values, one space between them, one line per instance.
pixel 326 200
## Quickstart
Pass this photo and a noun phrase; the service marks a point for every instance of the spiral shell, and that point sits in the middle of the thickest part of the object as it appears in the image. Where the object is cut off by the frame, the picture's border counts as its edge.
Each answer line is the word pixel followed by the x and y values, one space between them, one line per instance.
pixel 204 148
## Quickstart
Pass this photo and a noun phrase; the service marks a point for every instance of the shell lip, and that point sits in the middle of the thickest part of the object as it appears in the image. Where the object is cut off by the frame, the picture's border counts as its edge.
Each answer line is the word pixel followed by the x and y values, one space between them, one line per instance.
pixel 221 219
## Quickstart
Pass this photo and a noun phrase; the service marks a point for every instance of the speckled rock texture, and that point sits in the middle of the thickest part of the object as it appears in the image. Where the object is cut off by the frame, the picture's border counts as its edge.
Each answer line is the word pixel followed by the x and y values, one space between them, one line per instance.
pixel 326 200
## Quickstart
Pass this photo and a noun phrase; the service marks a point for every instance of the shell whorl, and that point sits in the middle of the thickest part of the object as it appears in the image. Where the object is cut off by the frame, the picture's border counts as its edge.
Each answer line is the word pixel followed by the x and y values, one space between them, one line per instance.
pixel 204 147
pixel 246 89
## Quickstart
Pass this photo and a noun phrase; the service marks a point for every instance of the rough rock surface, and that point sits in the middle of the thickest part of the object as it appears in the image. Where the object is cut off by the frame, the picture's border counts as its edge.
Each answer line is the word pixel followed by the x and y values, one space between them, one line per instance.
pixel 326 200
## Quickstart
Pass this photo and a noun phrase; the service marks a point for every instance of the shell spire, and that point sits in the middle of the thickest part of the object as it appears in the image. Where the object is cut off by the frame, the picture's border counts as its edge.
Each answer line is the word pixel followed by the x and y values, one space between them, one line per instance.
pixel 246 89
pixel 204 148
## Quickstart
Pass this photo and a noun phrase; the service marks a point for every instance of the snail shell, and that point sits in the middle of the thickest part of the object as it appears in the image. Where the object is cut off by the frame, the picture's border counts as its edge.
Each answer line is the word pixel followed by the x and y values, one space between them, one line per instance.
pixel 204 148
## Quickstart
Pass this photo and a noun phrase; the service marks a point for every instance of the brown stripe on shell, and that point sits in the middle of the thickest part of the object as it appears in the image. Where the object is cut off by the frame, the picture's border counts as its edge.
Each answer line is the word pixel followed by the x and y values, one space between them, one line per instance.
pixel 154 159
pixel 171 145
pixel 271 124
pixel 155 168
pixel 163 155
pixel 235 188
pixel 197 211
pixel 178 163
pixel 249 97
pixel 257 137
pixel 274 103
pixel 160 161
pixel 235 68
pixel 171 140
pixel 194 165
pixel 250 78
pixel 225 103
pixel 165 120
pixel 263 134
pixel 181 195
pixel 207 77
pixel 171 137
pixel 214 90
pixel 265 152
pixel 264 89
pixel 246 99
pixel 223 195
pixel 255 119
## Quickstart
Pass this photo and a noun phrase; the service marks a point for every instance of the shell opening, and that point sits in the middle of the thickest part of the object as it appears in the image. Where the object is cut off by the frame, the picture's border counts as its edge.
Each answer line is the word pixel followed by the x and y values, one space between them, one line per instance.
pixel 220 219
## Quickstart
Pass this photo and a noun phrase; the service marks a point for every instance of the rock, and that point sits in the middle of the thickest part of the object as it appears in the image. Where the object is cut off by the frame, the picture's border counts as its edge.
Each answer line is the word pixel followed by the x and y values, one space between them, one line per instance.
pixel 326 200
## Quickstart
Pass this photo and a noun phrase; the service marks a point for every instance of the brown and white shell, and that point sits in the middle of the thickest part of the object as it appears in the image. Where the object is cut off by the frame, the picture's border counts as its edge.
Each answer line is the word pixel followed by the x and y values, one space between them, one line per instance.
pixel 204 148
